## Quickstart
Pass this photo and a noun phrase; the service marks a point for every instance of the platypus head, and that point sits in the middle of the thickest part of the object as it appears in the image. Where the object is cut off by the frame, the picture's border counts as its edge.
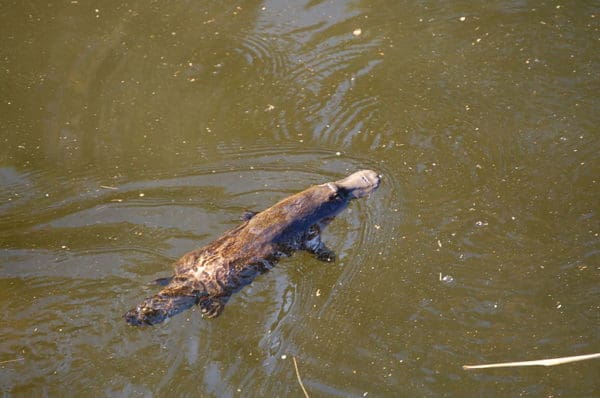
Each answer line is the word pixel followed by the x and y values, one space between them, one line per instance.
pixel 356 185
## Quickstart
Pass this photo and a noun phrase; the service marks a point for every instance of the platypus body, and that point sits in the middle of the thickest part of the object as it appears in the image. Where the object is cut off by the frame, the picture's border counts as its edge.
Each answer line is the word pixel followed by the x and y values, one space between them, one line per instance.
pixel 209 275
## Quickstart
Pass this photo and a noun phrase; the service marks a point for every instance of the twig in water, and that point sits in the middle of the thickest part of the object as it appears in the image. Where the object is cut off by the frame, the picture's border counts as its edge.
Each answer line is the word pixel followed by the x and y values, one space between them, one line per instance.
pixel 11 360
pixel 541 362
pixel 299 379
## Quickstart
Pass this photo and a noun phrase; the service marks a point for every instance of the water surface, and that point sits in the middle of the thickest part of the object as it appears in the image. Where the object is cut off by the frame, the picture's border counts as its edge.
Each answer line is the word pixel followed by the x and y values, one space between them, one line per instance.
pixel 133 133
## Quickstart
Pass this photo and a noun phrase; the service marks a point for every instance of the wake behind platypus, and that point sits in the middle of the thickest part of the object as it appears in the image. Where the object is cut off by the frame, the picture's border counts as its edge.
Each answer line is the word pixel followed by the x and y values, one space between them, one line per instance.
pixel 208 276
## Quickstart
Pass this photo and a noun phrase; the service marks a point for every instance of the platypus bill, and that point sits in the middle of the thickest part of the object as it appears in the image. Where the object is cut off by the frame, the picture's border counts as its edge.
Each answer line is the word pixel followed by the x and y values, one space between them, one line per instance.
pixel 209 275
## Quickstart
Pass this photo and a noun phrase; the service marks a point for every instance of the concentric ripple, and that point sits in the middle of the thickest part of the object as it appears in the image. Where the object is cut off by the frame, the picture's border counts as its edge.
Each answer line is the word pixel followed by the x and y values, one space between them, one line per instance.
pixel 265 53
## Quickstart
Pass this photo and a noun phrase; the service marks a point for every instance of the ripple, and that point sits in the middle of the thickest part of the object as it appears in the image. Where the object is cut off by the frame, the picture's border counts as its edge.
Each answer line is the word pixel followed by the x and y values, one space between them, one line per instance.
pixel 325 61
pixel 345 115
pixel 326 69
pixel 263 52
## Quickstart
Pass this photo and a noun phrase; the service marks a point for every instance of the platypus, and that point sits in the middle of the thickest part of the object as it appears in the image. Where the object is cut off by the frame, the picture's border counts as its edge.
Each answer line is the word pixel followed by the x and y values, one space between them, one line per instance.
pixel 208 276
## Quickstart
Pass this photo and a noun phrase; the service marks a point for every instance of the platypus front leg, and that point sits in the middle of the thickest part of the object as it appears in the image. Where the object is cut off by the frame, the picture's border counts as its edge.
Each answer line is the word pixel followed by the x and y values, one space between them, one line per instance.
pixel 313 244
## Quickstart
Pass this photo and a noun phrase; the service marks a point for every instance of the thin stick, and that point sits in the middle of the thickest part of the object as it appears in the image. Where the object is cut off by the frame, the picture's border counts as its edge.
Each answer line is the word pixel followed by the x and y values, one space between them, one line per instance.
pixel 541 362
pixel 299 379
pixel 11 360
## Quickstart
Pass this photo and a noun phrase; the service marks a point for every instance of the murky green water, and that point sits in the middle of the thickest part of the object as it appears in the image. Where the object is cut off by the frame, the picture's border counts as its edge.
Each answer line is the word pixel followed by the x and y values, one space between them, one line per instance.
pixel 134 132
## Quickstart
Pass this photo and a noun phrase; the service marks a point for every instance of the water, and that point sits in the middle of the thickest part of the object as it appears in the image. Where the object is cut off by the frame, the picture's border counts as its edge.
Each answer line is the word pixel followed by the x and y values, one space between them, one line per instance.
pixel 133 133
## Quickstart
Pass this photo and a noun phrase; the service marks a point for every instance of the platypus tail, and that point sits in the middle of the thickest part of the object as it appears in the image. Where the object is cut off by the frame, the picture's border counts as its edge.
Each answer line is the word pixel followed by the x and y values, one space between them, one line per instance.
pixel 159 307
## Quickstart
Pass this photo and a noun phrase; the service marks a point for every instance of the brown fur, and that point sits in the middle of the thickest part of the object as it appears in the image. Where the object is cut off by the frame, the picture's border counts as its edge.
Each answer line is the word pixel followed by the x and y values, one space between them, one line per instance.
pixel 209 275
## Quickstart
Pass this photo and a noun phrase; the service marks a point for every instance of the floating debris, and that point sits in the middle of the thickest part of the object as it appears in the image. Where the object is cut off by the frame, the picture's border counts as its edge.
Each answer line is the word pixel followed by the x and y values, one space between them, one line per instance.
pixel 541 362
pixel 11 360
pixel 299 379
pixel 446 278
